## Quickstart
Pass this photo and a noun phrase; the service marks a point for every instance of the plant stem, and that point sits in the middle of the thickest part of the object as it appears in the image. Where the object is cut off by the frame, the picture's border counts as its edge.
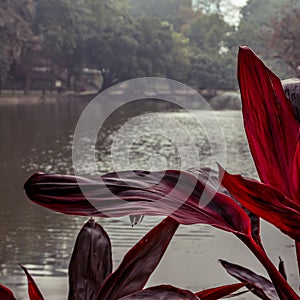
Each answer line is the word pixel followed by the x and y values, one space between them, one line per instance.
pixel 284 290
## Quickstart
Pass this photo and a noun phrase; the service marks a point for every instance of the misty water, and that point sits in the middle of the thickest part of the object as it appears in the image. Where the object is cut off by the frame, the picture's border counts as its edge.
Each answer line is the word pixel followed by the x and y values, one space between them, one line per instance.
pixel 38 137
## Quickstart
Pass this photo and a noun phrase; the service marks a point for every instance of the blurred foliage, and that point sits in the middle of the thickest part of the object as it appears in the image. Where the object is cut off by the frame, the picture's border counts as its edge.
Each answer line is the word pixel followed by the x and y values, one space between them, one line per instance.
pixel 123 39
pixel 16 34
pixel 176 12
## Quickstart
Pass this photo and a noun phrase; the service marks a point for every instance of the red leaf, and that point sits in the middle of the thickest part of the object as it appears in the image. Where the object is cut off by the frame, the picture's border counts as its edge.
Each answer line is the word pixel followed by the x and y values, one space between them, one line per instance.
pixel 211 178
pixel 258 285
pixel 219 292
pixel 139 262
pixel 33 291
pixel 6 293
pixel 270 125
pixel 169 193
pixel 91 262
pixel 266 202
pixel 162 292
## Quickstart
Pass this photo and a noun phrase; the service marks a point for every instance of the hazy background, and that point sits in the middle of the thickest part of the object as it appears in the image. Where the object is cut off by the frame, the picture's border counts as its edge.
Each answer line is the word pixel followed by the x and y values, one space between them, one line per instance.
pixel 90 45
pixel 55 55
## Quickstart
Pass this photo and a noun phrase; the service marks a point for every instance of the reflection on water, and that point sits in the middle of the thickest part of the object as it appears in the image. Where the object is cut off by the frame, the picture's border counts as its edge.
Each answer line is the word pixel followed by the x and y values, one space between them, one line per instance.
pixel 39 138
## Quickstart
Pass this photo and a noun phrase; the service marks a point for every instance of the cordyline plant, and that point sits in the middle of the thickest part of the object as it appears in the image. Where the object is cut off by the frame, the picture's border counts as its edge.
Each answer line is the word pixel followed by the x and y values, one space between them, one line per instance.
pixel 91 276
pixel 273 136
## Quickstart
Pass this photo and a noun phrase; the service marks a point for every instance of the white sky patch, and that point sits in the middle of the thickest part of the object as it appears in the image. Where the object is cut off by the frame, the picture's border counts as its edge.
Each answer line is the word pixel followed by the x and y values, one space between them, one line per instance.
pixel 231 10
pixel 239 3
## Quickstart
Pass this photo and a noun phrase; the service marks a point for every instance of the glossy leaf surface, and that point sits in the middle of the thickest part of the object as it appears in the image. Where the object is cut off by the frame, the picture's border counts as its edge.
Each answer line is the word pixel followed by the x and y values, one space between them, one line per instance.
pixel 270 125
pixel 258 285
pixel 266 202
pixel 211 177
pixel 168 193
pixel 91 262
pixel 219 292
pixel 139 262
pixel 162 292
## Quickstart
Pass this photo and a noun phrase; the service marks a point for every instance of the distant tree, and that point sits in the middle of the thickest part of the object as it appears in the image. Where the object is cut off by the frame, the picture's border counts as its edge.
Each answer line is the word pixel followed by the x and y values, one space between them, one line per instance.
pixel 112 50
pixel 162 51
pixel 283 38
pixel 208 7
pixel 16 35
pixel 135 48
pixel 63 25
pixel 208 32
pixel 211 56
pixel 265 26
pixel 212 71
pixel 254 22
pixel 176 12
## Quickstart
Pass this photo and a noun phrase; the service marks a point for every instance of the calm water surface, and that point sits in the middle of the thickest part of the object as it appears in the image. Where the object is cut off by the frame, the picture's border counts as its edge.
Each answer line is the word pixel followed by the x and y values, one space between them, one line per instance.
pixel 38 137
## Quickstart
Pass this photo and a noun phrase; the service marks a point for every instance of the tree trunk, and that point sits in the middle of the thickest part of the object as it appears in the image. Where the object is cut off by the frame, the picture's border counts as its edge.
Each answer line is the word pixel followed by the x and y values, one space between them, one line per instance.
pixel 27 83
pixel 69 76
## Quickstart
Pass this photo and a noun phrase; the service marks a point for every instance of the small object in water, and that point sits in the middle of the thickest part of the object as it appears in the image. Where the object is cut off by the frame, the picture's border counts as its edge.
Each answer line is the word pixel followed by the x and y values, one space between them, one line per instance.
pixel 134 220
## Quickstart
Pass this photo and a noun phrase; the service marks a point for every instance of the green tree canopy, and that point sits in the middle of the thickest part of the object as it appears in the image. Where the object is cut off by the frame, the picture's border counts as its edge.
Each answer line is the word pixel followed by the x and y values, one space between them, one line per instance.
pixel 212 60
pixel 176 12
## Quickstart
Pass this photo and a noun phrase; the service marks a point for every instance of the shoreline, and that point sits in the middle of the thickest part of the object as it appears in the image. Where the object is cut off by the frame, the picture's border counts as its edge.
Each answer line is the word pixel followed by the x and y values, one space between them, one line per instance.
pixel 39 98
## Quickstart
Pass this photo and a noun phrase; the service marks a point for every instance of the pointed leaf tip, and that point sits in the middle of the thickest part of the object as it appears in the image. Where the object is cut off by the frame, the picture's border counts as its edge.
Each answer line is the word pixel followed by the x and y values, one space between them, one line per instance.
pixel 168 193
pixel 258 285
pixel 219 292
pixel 162 292
pixel 33 290
pixel 271 128
pixel 91 261
pixel 139 262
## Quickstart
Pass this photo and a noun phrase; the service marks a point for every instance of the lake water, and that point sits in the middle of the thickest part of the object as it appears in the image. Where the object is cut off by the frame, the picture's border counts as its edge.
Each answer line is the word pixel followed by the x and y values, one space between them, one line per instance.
pixel 38 137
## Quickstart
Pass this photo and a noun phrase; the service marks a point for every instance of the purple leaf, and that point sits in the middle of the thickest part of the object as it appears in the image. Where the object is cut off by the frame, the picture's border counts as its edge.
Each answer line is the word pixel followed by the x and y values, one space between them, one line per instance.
pixel 139 262
pixel 211 177
pixel 168 193
pixel 258 285
pixel 91 262
pixel 162 292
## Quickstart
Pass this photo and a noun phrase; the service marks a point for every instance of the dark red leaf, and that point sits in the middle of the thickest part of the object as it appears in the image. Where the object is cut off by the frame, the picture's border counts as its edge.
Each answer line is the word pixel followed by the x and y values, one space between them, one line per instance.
pixel 266 202
pixel 270 125
pixel 6 293
pixel 219 292
pixel 170 193
pixel 211 177
pixel 162 292
pixel 33 291
pixel 91 262
pixel 139 262
pixel 258 285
